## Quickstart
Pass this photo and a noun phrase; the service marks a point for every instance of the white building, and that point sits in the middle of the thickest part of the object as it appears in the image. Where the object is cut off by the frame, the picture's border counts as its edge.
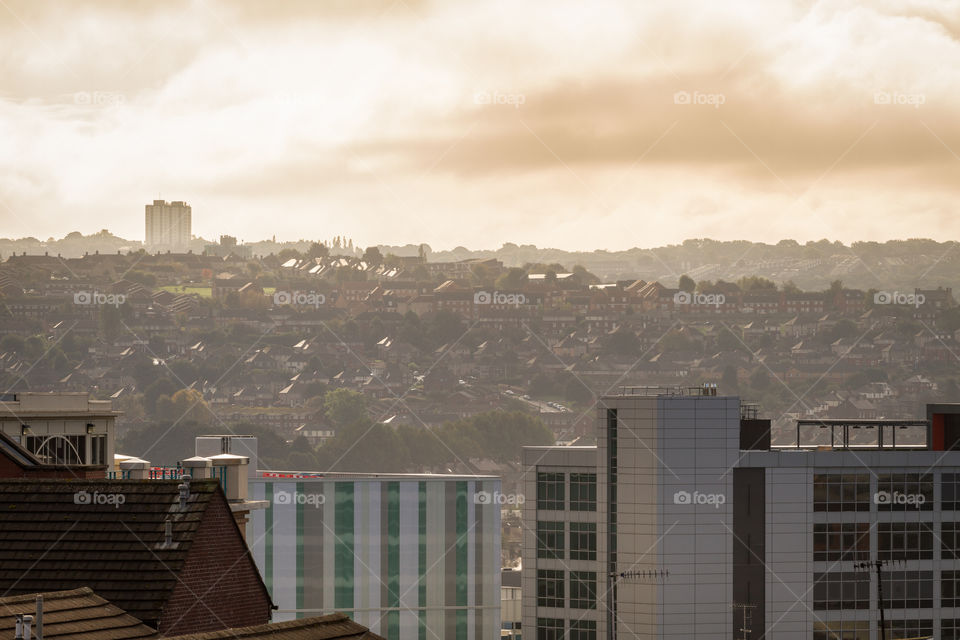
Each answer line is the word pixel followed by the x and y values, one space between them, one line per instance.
pixel 412 557
pixel 60 428
pixel 168 226
pixel 700 529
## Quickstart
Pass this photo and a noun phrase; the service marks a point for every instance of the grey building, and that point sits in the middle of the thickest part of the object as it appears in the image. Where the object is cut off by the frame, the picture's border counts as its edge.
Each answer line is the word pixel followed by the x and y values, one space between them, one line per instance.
pixel 684 522
pixel 168 226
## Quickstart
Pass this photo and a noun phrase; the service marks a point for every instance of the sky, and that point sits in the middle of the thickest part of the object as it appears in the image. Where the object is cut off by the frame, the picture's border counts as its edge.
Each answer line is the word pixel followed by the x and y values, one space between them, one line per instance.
pixel 567 124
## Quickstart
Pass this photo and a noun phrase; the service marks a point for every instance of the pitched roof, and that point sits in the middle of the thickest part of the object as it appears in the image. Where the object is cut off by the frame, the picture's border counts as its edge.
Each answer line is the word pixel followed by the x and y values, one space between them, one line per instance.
pixel 105 534
pixel 335 626
pixel 79 614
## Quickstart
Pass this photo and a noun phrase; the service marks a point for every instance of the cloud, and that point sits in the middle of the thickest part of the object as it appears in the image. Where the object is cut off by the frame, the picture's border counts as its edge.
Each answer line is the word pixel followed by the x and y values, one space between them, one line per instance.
pixel 463 122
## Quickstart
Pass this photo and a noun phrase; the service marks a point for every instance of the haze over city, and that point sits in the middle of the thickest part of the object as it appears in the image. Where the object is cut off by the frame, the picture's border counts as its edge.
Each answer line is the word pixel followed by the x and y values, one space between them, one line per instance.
pixel 572 125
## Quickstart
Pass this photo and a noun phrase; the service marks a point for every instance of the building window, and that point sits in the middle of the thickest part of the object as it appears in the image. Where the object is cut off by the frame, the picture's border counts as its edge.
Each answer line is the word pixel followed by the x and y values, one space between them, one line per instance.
pixel 949 629
pixel 845 630
pixel 583 630
pixel 910 629
pixel 58 449
pixel 908 589
pixel 836 541
pixel 950 494
pixel 950 588
pixel 950 540
pixel 549 629
pixel 549 588
pixel 550 540
pixel 846 492
pixel 98 449
pixel 583 540
pixel 583 492
pixel 550 495
pixel 841 590
pixel 904 492
pixel 904 541
pixel 583 590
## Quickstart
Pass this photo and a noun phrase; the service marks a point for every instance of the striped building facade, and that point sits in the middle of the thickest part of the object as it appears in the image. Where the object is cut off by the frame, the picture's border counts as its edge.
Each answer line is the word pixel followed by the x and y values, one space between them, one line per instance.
pixel 413 557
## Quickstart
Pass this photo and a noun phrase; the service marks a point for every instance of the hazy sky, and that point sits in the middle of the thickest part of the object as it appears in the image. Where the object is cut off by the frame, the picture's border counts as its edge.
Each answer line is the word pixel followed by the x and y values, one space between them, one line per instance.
pixel 568 124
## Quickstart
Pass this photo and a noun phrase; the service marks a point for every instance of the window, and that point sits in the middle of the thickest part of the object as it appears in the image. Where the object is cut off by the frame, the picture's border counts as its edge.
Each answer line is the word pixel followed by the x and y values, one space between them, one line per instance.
pixel 949 629
pixel 549 588
pixel 845 630
pixel 583 492
pixel 550 495
pixel 841 590
pixel 949 539
pixel 841 541
pixel 909 628
pixel 549 629
pixel 98 449
pixel 908 589
pixel 950 494
pixel 950 589
pixel 583 630
pixel 904 492
pixel 583 540
pixel 583 590
pixel 904 541
pixel 847 492
pixel 58 449
pixel 550 540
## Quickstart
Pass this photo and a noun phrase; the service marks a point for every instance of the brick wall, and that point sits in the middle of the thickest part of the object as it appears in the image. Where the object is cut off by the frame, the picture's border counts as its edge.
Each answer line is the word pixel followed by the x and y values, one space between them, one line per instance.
pixel 10 469
pixel 219 586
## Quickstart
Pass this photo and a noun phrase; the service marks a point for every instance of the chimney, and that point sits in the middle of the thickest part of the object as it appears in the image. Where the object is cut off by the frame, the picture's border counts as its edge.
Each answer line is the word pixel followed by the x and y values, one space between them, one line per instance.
pixel 184 491
pixel 198 466
pixel 23 627
pixel 136 468
pixel 234 470
pixel 39 616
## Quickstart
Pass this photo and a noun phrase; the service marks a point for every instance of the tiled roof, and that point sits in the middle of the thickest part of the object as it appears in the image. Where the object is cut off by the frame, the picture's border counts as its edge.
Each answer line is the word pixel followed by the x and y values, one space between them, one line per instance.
pixel 104 534
pixel 79 614
pixel 335 626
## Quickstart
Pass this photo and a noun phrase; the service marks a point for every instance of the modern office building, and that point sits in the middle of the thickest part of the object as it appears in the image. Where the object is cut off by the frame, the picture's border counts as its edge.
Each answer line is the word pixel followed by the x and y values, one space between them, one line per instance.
pixel 168 226
pixel 413 557
pixel 684 522
pixel 60 428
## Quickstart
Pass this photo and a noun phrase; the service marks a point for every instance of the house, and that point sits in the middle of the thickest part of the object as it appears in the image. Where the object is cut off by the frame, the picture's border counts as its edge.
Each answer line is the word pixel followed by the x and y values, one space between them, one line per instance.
pixel 77 614
pixel 336 626
pixel 171 555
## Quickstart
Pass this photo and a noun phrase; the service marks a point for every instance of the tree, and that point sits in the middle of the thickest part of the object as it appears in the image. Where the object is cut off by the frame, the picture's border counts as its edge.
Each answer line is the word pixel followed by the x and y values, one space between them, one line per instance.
pixel 373 256
pixel 512 279
pixel 729 383
pixel 345 408
pixel 687 284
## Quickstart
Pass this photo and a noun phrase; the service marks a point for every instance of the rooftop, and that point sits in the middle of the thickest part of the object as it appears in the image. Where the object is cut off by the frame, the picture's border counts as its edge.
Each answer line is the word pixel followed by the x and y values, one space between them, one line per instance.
pixel 79 614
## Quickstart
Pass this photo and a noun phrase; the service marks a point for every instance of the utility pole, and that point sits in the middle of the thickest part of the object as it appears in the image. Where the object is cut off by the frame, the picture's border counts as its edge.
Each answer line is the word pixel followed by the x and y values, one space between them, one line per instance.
pixel 878 565
pixel 747 627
